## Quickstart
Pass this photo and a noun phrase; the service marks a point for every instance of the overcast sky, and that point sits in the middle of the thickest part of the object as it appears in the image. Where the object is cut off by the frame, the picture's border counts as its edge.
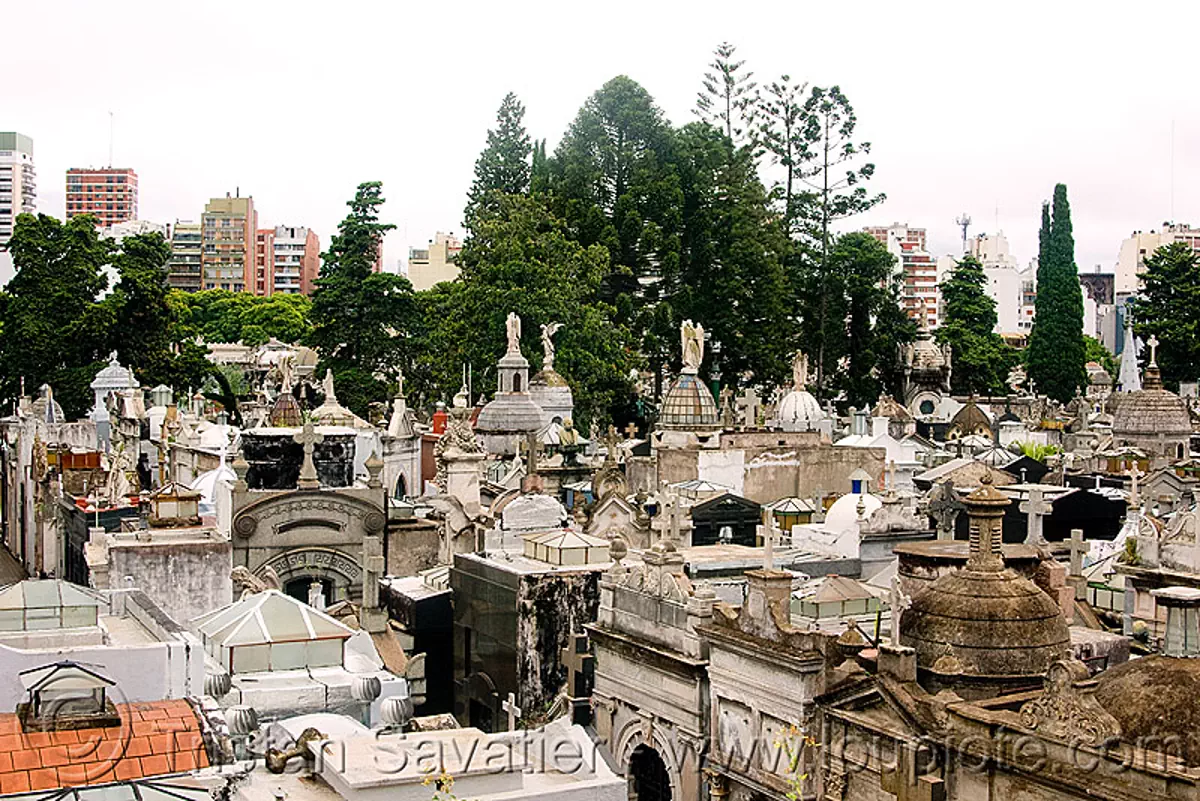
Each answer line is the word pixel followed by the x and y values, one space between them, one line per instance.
pixel 972 110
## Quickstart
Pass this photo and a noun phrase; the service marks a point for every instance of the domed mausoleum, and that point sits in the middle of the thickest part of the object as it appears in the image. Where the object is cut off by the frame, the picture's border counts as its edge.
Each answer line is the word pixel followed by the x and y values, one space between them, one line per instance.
pixel 983 630
pixel 1153 418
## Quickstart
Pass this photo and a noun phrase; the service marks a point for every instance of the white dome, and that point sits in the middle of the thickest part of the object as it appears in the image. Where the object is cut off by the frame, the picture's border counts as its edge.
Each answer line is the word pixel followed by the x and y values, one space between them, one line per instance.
pixel 798 408
pixel 206 483
pixel 844 512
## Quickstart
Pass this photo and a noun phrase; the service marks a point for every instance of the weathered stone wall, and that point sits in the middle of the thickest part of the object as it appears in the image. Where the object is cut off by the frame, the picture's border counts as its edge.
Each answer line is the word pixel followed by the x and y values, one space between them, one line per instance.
pixel 549 609
pixel 413 546
pixel 183 579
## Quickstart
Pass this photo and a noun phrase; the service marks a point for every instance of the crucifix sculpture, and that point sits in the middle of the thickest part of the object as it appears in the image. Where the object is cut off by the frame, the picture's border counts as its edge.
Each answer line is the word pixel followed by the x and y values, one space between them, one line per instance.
pixel 309 438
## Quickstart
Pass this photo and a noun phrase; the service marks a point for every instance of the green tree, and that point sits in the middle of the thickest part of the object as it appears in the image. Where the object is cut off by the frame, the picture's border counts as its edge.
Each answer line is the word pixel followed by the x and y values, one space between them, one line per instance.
pixel 52 331
pixel 218 315
pixel 520 259
pixel 835 191
pixel 729 97
pixel 731 275
pixel 782 134
pixel 146 334
pixel 362 321
pixel 1056 353
pixel 866 327
pixel 504 165
pixel 614 184
pixel 1094 351
pixel 1169 308
pixel 981 357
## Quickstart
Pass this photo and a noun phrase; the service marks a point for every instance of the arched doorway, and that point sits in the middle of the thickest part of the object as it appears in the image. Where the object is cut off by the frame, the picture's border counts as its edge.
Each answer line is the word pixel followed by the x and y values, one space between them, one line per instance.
pixel 298 588
pixel 401 488
pixel 648 777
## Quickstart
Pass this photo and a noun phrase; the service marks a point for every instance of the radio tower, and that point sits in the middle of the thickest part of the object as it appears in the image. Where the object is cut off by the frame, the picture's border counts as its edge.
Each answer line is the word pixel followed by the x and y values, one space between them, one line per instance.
pixel 964 222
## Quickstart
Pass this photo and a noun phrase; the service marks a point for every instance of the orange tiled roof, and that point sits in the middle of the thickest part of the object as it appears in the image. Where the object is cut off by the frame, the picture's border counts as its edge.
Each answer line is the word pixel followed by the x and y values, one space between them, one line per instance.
pixel 155 738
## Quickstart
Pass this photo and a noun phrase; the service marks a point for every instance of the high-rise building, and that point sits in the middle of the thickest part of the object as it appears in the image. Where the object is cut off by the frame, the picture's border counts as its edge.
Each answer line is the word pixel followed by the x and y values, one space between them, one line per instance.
pixel 436 263
pixel 18 181
pixel 297 260
pixel 228 236
pixel 1007 284
pixel 264 261
pixel 187 248
pixel 110 194
pixel 919 268
pixel 1131 259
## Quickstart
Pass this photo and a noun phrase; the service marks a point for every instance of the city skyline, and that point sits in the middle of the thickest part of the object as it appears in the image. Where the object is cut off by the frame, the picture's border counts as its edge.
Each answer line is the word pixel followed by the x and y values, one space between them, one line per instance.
pixel 1014 122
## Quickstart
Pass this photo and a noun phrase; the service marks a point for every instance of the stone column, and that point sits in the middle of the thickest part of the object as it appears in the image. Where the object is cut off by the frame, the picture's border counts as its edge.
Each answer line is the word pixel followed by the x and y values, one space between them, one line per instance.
pixel 462 478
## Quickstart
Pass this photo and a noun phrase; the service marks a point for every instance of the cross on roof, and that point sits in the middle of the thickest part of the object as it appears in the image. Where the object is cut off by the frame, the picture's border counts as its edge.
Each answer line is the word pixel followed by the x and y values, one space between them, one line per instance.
pixel 1153 343
pixel 309 438
pixel 1078 549
pixel 1035 508
pixel 611 439
pixel 1135 500
pixel 769 534
pixel 509 705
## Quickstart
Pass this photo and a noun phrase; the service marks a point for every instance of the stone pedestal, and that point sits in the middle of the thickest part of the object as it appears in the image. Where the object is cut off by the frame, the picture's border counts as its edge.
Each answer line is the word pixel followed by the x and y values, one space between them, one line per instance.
pixel 898 662
pixel 462 478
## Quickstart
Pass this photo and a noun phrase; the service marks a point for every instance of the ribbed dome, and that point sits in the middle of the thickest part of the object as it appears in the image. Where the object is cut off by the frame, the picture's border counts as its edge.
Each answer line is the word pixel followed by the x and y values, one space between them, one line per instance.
pixel 1150 412
pixel 984 626
pixel 508 413
pixel 689 405
pixel 798 408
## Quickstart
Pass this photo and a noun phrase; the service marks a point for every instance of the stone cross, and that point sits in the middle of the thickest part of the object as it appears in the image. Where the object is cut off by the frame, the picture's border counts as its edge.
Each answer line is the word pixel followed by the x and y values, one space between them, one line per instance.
pixel 749 403
pixel 943 505
pixel 898 603
pixel 532 445
pixel 769 535
pixel 1135 500
pixel 373 567
pixel 672 509
pixel 509 705
pixel 631 430
pixel 400 384
pixel 611 441
pixel 1034 509
pixel 1078 549
pixel 1153 343
pixel 309 438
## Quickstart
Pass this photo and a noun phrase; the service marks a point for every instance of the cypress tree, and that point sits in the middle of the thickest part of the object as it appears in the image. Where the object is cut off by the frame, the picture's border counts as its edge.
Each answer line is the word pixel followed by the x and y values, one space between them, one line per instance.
pixel 1057 352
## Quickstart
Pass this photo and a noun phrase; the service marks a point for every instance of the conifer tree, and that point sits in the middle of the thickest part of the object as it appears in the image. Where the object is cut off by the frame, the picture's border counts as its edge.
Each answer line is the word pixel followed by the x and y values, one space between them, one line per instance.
pixel 981 358
pixel 504 165
pixel 729 98
pixel 1057 353
pixel 1169 308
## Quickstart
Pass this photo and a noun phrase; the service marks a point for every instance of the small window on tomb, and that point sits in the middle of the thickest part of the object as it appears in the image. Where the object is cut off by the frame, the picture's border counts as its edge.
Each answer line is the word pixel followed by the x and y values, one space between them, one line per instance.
pixel 65 695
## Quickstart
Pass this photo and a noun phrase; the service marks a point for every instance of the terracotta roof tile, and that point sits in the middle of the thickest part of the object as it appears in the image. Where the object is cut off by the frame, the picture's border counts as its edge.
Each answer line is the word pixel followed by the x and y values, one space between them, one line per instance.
pixel 154 739
pixel 43 779
pixel 26 759
pixel 14 782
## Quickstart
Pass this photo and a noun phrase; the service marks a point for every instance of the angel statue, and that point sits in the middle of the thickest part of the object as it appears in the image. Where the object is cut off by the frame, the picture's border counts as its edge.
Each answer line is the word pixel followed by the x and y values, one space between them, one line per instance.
pixel 548 332
pixel 692 337
pixel 513 327
pixel 800 372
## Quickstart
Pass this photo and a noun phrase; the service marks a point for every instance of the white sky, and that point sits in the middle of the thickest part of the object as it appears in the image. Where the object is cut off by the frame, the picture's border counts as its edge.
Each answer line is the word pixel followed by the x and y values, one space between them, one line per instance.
pixel 971 107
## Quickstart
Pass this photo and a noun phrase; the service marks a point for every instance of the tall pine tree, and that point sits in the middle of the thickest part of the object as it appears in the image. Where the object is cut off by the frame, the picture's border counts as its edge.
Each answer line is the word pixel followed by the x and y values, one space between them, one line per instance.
pixel 504 165
pixel 1057 353
pixel 363 321
pixel 729 98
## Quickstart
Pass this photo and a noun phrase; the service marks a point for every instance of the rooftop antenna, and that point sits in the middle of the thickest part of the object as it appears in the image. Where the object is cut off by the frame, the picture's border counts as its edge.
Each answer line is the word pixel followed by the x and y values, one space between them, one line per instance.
pixel 110 140
pixel 1172 172
pixel 964 222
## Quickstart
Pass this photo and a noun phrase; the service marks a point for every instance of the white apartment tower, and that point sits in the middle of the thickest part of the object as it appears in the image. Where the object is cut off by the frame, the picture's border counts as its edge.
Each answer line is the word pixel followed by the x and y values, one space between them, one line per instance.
pixel 18 190
pixel 918 267
pixel 1013 289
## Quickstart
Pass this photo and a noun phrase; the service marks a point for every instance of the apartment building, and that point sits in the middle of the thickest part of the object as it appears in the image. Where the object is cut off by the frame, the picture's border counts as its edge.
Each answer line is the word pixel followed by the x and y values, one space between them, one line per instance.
pixel 187 248
pixel 1140 245
pixel 434 263
pixel 110 194
pixel 297 260
pixel 918 267
pixel 228 233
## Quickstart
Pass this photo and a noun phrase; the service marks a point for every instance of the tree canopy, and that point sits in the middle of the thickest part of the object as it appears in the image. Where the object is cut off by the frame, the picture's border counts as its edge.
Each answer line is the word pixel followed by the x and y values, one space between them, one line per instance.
pixel 1169 309
pixel 982 360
